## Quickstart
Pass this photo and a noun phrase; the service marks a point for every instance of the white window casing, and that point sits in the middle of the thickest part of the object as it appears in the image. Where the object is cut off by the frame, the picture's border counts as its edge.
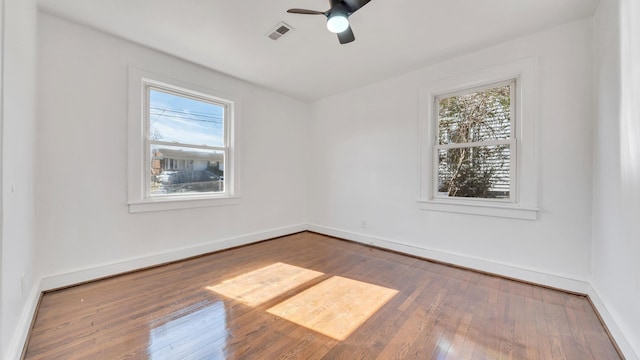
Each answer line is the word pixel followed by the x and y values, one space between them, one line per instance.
pixel 522 202
pixel 140 198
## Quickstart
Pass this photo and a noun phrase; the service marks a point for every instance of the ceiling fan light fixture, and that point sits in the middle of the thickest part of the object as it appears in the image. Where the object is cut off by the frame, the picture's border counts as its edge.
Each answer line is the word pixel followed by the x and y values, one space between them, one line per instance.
pixel 337 17
pixel 337 23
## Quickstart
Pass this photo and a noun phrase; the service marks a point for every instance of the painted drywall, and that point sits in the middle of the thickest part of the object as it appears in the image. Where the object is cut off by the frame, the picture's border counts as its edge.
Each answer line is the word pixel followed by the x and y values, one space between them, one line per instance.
pixel 616 193
pixel 2 50
pixel 82 214
pixel 362 164
pixel 18 144
pixel 364 160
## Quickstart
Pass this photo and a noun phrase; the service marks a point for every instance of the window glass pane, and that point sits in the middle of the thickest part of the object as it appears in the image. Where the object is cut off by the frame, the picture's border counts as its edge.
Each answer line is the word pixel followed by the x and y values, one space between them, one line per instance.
pixel 479 172
pixel 174 118
pixel 477 116
pixel 180 170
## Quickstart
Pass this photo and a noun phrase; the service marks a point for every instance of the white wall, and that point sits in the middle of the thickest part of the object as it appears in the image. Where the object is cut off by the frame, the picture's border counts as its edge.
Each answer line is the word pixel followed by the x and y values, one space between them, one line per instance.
pixel 365 167
pixel 616 195
pixel 18 143
pixel 83 220
pixel 2 50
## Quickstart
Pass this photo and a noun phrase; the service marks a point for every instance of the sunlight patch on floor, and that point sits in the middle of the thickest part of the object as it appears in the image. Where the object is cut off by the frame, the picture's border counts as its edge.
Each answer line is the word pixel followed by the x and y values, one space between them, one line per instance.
pixel 336 307
pixel 259 286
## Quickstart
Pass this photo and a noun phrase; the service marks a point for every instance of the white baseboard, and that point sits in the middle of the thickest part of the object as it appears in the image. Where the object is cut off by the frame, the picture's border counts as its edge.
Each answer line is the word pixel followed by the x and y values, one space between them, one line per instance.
pixel 625 347
pixel 19 339
pixel 77 276
pixel 507 270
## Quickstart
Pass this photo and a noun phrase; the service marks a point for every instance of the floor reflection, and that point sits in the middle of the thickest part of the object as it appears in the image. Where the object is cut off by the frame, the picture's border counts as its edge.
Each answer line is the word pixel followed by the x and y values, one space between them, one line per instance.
pixel 198 332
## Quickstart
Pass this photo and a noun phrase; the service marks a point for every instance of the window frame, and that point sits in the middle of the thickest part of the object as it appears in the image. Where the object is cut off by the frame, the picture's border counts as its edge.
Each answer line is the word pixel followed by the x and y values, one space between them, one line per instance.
pixel 139 196
pixel 511 141
pixel 522 202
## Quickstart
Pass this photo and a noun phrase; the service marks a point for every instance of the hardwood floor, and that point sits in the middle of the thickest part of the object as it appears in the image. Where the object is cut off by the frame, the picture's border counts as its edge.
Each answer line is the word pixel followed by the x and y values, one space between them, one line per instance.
pixel 308 296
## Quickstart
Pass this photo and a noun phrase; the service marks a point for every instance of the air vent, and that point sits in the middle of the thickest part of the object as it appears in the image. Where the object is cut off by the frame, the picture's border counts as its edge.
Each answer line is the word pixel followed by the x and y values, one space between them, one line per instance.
pixel 279 31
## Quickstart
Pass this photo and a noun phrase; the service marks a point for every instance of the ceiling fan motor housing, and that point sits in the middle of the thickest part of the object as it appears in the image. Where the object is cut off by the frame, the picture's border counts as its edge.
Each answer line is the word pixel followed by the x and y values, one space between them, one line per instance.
pixel 337 17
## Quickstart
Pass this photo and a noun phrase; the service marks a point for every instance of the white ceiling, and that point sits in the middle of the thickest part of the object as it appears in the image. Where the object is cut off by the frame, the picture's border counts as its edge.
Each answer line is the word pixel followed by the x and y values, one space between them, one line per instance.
pixel 392 36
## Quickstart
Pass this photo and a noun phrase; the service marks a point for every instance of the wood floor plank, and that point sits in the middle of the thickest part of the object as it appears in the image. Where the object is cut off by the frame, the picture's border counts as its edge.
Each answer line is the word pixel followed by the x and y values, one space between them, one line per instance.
pixel 191 310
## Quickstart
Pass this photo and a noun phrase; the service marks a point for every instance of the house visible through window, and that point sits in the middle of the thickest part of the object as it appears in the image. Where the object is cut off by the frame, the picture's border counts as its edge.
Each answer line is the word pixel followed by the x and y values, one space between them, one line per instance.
pixel 186 142
pixel 475 143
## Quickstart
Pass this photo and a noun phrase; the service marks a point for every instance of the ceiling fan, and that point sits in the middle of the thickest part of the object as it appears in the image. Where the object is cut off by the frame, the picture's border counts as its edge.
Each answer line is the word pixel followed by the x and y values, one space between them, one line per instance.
pixel 337 17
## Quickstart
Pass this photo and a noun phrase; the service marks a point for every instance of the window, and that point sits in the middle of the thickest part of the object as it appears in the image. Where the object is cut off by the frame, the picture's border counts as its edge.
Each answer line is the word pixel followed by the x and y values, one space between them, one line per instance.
pixel 186 142
pixel 181 151
pixel 477 143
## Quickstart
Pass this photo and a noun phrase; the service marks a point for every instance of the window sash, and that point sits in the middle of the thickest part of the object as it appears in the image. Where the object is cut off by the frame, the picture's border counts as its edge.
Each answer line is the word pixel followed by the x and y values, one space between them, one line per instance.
pixel 175 165
pixel 512 111
pixel 474 144
pixel 512 141
pixel 149 85
pixel 512 144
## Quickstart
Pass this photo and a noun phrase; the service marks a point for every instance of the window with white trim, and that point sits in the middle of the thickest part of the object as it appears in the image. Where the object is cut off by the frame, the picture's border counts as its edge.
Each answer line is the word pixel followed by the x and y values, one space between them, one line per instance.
pixel 181 139
pixel 477 135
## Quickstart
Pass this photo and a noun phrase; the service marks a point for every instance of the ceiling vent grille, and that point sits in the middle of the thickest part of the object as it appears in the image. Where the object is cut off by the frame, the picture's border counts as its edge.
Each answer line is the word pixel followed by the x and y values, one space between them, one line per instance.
pixel 279 31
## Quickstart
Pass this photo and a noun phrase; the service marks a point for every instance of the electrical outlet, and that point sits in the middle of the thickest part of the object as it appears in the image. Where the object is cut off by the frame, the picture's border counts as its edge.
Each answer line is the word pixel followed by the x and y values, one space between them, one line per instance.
pixel 363 224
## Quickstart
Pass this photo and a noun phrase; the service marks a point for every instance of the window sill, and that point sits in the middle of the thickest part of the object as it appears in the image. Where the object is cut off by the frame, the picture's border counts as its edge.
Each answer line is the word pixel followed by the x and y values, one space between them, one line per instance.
pixel 180 203
pixel 487 209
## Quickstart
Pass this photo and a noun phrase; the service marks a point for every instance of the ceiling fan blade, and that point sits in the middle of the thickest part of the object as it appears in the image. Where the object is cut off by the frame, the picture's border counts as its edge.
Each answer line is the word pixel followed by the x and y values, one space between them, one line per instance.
pixel 354 5
pixel 346 36
pixel 305 12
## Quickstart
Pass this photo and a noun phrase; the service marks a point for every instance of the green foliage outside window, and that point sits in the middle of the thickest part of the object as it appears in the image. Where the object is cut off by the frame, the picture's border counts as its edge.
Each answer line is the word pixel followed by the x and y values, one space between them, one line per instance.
pixel 473 137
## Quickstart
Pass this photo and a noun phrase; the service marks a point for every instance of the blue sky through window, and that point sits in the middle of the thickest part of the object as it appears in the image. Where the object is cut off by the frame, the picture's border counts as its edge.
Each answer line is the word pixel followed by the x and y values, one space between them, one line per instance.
pixel 174 118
